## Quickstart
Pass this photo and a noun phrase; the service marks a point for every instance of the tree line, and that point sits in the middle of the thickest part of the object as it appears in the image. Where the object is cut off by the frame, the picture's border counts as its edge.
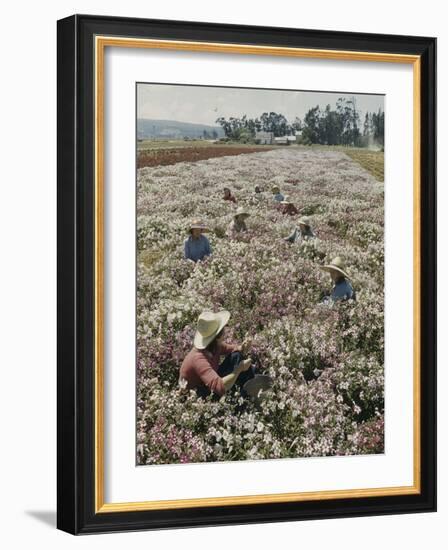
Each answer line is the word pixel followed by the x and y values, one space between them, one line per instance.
pixel 245 128
pixel 339 126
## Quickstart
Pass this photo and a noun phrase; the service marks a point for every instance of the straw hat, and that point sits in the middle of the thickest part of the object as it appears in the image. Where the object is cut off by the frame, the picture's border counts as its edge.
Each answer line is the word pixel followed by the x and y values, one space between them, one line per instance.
pixel 208 326
pixel 276 189
pixel 241 212
pixel 304 221
pixel 197 224
pixel 336 264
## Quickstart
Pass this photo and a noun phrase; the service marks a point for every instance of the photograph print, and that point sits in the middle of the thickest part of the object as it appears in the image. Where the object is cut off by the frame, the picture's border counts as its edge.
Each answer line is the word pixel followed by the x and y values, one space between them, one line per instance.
pixel 260 274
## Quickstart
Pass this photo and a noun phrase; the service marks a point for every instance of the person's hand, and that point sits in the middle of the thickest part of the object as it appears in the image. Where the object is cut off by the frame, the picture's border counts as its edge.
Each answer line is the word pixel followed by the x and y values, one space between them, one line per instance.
pixel 245 346
pixel 244 365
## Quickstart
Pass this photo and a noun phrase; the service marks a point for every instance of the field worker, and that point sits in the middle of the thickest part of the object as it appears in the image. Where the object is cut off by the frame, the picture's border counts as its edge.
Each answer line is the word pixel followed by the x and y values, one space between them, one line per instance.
pixel 201 369
pixel 197 246
pixel 287 207
pixel 257 196
pixel 302 232
pixel 238 224
pixel 228 195
pixel 278 197
pixel 342 288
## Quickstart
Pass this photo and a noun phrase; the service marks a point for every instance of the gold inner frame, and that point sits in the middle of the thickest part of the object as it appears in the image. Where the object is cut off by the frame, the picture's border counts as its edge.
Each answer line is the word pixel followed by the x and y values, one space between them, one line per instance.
pixel 101 42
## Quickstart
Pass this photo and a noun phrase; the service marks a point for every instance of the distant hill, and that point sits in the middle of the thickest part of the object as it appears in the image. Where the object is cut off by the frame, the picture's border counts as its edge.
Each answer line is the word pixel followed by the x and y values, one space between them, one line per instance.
pixel 148 128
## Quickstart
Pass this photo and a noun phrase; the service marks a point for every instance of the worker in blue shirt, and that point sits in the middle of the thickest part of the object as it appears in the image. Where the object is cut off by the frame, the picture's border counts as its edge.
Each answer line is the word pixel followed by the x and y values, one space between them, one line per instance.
pixel 342 288
pixel 278 197
pixel 197 246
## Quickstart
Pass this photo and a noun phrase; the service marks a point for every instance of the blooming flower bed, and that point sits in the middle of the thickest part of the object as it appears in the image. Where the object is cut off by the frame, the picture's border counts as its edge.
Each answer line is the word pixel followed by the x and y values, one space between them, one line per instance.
pixel 327 363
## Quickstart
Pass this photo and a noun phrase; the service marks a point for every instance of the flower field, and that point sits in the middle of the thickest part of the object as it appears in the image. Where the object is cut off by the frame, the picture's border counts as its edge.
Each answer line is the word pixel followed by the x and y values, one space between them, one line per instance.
pixel 326 362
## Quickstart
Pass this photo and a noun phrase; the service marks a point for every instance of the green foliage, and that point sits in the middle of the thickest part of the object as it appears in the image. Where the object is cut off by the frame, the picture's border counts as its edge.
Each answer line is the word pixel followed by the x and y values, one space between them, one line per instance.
pixel 340 126
pixel 244 129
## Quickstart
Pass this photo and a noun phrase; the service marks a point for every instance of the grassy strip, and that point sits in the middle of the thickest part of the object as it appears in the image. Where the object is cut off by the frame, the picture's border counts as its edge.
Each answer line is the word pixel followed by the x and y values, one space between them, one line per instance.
pixel 372 161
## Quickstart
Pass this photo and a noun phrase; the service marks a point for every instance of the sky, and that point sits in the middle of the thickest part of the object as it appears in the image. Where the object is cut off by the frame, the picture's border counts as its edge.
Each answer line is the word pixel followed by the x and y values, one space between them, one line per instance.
pixel 203 104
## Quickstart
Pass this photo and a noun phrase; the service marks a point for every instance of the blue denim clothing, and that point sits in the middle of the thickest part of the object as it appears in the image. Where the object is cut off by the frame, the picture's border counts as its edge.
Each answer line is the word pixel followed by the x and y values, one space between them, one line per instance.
pixel 228 366
pixel 197 249
pixel 279 197
pixel 342 290
pixel 231 361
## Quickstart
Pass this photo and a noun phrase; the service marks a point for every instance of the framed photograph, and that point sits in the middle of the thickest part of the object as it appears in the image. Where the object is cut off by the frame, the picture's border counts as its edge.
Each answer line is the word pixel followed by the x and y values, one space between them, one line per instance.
pixel 246 274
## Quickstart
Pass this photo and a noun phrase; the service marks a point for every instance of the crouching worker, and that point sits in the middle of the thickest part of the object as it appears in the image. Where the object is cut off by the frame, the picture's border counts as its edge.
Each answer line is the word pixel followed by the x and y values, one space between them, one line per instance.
pixel 228 195
pixel 201 368
pixel 238 224
pixel 302 232
pixel 276 194
pixel 342 288
pixel 288 207
pixel 197 246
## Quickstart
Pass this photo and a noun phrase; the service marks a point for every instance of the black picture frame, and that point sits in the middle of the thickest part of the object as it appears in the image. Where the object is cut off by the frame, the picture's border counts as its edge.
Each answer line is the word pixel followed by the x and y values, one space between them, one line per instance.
pixel 76 512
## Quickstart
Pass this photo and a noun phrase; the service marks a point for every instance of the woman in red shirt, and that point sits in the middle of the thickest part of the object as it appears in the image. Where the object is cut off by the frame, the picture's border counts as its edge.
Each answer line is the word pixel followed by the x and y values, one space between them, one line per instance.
pixel 201 369
pixel 287 207
pixel 228 195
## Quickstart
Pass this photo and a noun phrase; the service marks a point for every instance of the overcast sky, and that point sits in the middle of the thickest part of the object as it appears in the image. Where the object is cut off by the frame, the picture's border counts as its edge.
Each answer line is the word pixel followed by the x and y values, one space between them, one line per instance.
pixel 203 105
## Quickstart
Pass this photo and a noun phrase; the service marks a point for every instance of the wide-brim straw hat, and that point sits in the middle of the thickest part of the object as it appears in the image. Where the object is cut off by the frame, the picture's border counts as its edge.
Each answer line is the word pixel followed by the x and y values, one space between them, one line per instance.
pixel 208 326
pixel 197 224
pixel 336 264
pixel 304 221
pixel 276 189
pixel 241 212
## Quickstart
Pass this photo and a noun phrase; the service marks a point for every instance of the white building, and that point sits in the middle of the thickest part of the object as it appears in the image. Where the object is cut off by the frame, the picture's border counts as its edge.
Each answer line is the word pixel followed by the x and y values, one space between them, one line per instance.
pixel 285 140
pixel 265 138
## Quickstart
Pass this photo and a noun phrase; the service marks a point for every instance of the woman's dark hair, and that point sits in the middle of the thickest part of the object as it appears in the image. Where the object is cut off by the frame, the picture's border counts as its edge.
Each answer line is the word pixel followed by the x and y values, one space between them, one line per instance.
pixel 212 346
